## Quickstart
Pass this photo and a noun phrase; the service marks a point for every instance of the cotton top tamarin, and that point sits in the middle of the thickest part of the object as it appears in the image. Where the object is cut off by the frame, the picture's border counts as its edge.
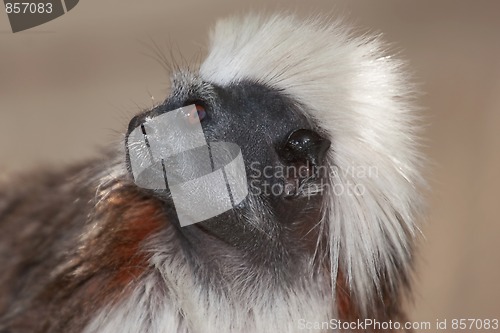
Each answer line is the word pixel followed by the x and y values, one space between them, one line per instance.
pixel 85 249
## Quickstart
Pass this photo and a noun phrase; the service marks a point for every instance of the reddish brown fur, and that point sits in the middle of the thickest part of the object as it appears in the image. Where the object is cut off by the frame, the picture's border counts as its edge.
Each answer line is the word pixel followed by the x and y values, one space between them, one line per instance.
pixel 138 222
pixel 102 265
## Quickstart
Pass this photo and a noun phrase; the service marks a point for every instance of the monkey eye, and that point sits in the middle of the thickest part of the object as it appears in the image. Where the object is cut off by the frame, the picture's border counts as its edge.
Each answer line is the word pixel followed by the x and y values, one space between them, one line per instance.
pixel 199 115
pixel 304 145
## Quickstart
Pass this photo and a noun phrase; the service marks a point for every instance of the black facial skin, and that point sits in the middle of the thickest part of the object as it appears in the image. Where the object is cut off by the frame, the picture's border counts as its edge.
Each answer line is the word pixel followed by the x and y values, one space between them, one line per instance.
pixel 273 134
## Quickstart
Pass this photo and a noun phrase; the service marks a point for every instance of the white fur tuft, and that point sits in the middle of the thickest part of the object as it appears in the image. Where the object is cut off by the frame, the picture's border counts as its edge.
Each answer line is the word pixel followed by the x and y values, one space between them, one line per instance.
pixel 175 301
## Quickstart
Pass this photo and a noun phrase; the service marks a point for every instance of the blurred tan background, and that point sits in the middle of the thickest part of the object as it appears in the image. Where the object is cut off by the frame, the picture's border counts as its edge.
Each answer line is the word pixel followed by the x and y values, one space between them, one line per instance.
pixel 71 85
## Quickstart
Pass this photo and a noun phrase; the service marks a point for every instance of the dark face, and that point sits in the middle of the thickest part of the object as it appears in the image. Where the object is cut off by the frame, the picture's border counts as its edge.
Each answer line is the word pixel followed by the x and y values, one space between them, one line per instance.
pixel 282 153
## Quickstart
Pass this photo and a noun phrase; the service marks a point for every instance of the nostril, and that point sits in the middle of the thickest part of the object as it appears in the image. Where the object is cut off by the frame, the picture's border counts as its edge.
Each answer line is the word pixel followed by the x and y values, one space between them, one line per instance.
pixel 198 114
pixel 201 111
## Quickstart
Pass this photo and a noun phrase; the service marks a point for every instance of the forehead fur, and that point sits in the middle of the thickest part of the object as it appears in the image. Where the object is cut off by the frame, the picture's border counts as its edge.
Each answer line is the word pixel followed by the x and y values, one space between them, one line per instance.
pixel 359 96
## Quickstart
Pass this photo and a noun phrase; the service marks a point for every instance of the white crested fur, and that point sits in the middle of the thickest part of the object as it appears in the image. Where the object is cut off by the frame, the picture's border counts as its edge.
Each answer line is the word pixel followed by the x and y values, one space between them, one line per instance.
pixel 360 97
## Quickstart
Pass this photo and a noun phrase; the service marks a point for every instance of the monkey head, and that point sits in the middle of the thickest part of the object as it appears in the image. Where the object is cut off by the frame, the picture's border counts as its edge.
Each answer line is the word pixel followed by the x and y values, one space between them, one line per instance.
pixel 284 154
